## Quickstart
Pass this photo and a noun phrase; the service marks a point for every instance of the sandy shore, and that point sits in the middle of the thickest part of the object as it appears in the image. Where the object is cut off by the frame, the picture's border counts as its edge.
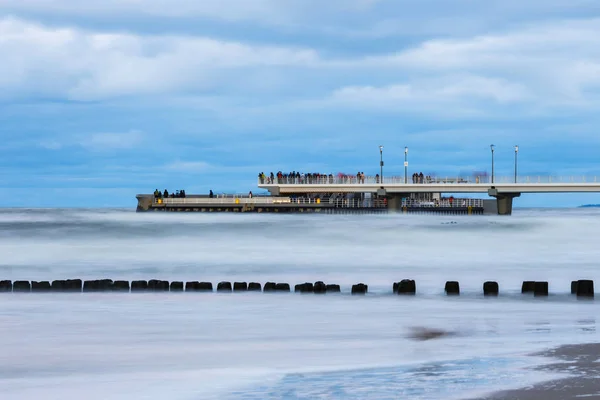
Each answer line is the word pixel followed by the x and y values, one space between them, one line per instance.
pixel 580 361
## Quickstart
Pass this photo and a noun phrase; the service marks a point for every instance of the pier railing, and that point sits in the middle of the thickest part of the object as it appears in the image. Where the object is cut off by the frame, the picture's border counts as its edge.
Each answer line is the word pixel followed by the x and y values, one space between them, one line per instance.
pixel 398 180
pixel 223 200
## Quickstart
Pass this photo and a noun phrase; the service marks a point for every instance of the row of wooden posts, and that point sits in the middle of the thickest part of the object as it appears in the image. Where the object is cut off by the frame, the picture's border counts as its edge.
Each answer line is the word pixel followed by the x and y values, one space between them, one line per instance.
pixel 584 288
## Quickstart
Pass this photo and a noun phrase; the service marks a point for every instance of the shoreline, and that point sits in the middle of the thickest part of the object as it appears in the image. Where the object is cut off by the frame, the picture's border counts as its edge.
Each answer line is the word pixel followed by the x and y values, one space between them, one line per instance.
pixel 579 362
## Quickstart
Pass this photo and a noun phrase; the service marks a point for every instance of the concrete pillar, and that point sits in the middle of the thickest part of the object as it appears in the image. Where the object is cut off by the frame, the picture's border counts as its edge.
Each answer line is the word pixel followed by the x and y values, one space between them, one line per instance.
pixel 333 289
pixel 503 200
pixel 224 287
pixel 121 286
pixel 240 286
pixel 490 288
pixel 573 287
pixel 407 286
pixel 320 287
pixel 452 288
pixel 74 285
pixel 306 287
pixel 282 287
pixel 360 288
pixel 585 288
pixel 254 287
pixel 144 202
pixel 6 286
pixel 43 286
pixel 156 285
pixel 528 287
pixel 21 286
pixel 176 286
pixel 270 287
pixel 540 289
pixel 139 286
pixel 394 201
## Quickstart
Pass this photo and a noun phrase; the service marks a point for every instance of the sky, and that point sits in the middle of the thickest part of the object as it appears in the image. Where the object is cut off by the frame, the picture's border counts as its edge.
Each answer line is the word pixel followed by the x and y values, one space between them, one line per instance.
pixel 104 99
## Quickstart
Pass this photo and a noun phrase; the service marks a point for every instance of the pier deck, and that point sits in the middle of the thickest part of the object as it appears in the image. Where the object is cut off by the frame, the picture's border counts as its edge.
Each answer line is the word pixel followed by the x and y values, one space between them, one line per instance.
pixel 282 204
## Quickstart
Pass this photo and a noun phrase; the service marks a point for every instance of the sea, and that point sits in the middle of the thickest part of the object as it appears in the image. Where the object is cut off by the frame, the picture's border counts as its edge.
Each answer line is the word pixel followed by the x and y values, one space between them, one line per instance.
pixel 264 346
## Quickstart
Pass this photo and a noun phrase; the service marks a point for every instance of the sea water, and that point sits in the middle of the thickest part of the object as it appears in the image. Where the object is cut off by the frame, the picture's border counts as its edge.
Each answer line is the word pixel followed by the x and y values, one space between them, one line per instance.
pixel 287 345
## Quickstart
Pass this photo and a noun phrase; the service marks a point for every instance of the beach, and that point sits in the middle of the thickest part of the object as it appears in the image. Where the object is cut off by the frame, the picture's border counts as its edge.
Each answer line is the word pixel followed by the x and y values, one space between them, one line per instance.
pixel 579 362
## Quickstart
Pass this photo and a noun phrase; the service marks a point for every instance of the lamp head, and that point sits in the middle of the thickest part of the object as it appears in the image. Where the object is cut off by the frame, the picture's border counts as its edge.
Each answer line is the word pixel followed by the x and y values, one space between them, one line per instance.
pixel 406 150
pixel 516 148
pixel 380 148
pixel 492 147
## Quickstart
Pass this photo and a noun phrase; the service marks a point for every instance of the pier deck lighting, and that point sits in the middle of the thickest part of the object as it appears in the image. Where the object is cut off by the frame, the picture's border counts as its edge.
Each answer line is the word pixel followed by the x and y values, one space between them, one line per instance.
pixel 405 165
pixel 516 157
pixel 381 163
pixel 492 149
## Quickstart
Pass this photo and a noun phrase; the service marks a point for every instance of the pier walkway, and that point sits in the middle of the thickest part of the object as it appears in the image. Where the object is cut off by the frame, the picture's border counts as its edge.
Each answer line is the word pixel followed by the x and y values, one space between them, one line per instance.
pixel 504 189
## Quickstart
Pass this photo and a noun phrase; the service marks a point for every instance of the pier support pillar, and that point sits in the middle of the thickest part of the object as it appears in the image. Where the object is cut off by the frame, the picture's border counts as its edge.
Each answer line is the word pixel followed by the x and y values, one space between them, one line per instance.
pixel 503 200
pixel 394 201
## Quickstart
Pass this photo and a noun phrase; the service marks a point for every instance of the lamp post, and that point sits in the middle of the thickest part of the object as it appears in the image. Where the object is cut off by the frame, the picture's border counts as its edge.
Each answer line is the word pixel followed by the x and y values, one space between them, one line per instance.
pixel 492 148
pixel 381 163
pixel 405 165
pixel 516 158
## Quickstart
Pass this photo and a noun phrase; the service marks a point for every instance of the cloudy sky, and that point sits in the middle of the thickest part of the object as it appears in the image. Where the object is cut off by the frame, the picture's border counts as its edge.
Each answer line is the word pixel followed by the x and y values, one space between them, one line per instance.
pixel 103 99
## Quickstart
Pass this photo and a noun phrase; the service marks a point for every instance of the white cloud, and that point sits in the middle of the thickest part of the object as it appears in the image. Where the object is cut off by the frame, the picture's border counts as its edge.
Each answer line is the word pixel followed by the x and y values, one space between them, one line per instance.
pixel 431 92
pixel 111 141
pixel 102 141
pixel 188 166
pixel 540 67
pixel 80 65
pixel 544 67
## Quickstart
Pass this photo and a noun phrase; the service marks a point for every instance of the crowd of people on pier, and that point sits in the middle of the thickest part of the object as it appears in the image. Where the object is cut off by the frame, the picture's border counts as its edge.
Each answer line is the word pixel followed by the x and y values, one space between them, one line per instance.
pixel 420 178
pixel 296 177
pixel 179 194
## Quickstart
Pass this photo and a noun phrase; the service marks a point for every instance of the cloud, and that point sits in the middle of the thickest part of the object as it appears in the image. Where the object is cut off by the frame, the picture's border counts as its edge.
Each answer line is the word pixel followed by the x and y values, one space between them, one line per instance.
pixel 429 95
pixel 538 69
pixel 75 64
pixel 102 141
pixel 188 166
pixel 111 141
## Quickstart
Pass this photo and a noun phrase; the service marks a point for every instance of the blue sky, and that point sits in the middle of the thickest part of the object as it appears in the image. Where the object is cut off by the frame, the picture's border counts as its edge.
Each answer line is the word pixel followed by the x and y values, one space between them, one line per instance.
pixel 100 100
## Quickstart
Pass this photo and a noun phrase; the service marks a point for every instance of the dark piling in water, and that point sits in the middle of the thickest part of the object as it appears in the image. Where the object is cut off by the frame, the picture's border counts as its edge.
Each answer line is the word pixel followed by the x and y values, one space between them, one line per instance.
pixel 490 288
pixel 452 288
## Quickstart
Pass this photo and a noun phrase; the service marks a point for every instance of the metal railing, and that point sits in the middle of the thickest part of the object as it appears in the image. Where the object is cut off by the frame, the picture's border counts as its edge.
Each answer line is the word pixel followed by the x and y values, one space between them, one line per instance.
pixel 341 202
pixel 444 203
pixel 330 202
pixel 398 180
pixel 223 200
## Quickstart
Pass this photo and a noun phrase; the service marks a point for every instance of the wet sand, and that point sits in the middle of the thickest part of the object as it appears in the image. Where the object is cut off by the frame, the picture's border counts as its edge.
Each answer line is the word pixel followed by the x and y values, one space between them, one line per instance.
pixel 579 361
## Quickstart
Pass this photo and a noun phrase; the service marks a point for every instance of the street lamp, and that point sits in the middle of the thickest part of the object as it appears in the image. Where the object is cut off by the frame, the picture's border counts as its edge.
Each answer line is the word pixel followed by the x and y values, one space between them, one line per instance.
pixel 492 148
pixel 516 153
pixel 405 165
pixel 381 163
